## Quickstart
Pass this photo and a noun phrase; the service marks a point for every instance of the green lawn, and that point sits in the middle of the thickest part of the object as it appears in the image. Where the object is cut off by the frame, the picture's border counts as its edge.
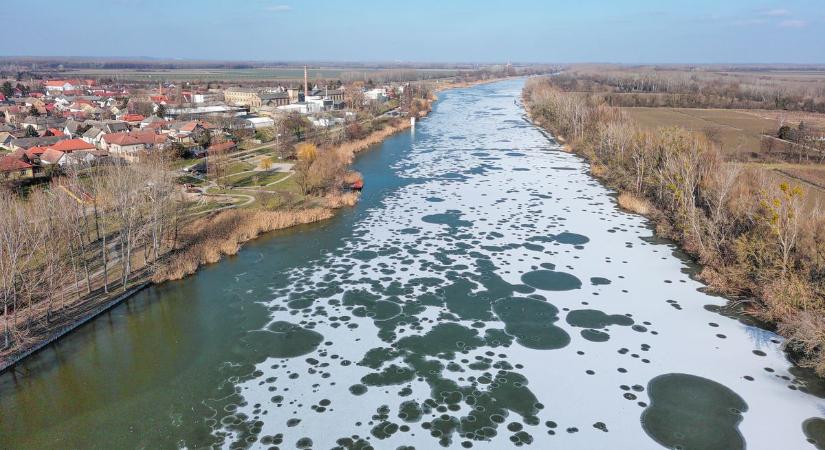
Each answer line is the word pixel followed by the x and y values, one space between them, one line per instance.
pixel 186 179
pixel 181 163
pixel 239 166
pixel 254 179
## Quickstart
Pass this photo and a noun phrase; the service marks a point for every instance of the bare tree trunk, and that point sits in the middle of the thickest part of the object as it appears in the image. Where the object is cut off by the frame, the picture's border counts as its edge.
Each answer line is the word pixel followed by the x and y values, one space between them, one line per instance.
pixel 104 255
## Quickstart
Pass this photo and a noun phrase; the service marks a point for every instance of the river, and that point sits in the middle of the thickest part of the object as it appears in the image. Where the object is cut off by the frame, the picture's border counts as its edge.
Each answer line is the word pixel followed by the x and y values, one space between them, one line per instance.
pixel 486 292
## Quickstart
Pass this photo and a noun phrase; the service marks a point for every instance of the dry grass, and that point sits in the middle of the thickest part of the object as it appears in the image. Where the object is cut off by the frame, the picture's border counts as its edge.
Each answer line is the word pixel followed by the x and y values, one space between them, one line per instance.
pixel 634 204
pixel 789 117
pixel 350 148
pixel 208 239
pixel 340 199
pixel 598 170
pixel 738 133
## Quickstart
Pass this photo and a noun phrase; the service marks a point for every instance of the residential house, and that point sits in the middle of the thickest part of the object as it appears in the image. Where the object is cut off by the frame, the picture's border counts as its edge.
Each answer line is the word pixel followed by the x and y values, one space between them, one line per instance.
pixel 70 127
pixel 132 119
pixel 72 145
pixel 42 123
pixel 59 86
pixel 52 157
pixel 85 158
pixel 35 153
pixel 150 120
pixel 6 138
pixel 27 143
pixel 221 147
pixel 93 136
pixel 14 114
pixel 14 169
pixel 132 144
pixel 67 85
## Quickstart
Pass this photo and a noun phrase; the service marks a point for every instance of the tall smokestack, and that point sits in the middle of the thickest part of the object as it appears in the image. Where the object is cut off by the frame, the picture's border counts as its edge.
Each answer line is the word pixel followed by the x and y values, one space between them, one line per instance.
pixel 306 83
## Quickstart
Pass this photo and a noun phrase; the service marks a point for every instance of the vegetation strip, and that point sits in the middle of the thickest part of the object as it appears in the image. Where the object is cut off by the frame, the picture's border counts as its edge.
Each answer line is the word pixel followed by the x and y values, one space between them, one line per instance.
pixel 758 239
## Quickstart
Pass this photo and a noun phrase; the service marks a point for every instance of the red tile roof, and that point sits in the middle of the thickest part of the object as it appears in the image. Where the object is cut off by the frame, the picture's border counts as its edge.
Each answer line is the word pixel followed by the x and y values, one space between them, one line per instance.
pixel 11 164
pixel 221 147
pixel 57 132
pixel 36 151
pixel 133 117
pixel 134 138
pixel 71 145
pixel 58 83
pixel 51 156
pixel 191 125
pixel 158 124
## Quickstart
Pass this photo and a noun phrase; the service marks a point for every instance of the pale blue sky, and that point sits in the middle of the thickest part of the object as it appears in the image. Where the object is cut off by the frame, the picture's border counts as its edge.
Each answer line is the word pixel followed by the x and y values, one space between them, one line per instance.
pixel 643 31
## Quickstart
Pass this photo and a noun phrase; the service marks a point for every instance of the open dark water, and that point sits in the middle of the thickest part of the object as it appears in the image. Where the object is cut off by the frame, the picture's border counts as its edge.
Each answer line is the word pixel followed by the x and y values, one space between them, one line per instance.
pixel 485 293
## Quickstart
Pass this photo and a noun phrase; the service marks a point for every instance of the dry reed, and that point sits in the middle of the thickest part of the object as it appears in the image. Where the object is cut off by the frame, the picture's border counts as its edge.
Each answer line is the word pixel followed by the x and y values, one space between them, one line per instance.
pixel 208 239
pixel 634 204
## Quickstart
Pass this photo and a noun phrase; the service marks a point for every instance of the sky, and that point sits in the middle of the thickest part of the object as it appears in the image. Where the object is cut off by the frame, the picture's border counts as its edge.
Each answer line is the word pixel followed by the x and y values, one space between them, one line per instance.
pixel 541 31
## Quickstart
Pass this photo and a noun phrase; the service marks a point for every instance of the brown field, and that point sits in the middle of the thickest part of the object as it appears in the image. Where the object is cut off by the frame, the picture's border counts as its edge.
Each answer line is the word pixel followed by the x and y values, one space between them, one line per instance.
pixel 790 117
pixel 738 133
pixel 811 179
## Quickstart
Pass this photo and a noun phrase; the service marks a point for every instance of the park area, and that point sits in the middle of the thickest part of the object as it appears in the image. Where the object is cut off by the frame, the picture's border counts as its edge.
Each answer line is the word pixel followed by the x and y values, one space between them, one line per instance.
pixel 254 177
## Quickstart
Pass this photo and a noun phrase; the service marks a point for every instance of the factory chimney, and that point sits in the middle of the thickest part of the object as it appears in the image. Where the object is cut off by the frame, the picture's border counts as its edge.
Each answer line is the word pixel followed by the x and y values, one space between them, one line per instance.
pixel 306 84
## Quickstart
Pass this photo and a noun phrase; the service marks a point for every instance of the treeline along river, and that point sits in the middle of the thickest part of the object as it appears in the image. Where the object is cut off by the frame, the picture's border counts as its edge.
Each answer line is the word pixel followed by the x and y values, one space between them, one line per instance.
pixel 486 292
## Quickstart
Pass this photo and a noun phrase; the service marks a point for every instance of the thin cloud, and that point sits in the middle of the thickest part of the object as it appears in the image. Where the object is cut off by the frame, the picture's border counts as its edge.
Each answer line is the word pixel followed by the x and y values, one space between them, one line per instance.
pixel 278 8
pixel 748 22
pixel 779 12
pixel 793 23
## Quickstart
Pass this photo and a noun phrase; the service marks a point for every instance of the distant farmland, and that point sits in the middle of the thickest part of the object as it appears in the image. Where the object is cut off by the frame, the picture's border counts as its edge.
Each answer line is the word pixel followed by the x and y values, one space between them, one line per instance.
pixel 738 132
pixel 255 74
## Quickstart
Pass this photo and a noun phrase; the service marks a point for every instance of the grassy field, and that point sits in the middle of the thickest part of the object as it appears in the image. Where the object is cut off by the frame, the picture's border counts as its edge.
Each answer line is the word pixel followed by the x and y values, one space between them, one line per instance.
pixel 253 179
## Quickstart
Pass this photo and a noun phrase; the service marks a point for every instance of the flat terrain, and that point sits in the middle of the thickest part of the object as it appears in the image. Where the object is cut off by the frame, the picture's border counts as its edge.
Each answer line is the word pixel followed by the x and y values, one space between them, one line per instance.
pixel 738 132
pixel 256 74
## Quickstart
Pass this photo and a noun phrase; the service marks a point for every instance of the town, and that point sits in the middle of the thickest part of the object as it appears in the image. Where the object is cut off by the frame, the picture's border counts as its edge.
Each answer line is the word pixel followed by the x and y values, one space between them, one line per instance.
pixel 138 181
pixel 49 125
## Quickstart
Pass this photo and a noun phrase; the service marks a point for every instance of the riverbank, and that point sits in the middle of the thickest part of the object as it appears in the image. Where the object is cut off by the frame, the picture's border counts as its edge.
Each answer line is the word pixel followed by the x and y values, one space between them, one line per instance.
pixel 202 239
pixel 207 238
pixel 755 239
